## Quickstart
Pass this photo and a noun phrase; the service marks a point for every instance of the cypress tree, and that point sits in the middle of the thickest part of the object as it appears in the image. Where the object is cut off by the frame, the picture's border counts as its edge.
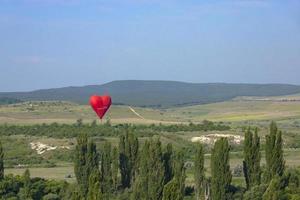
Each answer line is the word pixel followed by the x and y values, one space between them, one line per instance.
pixel 140 187
pixel 256 178
pixel 168 164
pixel 174 189
pixel 156 171
pixel 86 160
pixel 199 175
pixel 279 163
pixel 1 162
pixel 115 168
pixel 128 147
pixel 124 163
pixel 27 180
pixel 252 156
pixel 94 192
pixel 179 173
pixel 275 163
pixel 106 173
pixel 92 158
pixel 220 170
pixel 80 164
pixel 150 180
pixel 133 152
pixel 25 192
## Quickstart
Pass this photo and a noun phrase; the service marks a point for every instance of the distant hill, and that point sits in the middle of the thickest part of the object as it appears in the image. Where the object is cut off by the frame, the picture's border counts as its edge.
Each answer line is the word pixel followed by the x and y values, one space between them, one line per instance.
pixel 157 93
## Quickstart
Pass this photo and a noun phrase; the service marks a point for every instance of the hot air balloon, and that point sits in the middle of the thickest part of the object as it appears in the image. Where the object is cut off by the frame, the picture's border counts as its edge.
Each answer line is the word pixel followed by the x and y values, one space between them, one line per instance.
pixel 100 104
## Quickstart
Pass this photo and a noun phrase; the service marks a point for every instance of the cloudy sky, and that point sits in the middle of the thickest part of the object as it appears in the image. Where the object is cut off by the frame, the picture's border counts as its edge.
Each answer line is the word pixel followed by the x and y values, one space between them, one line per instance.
pixel 55 43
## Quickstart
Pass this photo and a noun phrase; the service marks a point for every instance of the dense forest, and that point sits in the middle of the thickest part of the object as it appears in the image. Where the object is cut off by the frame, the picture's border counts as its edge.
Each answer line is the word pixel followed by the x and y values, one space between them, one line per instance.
pixel 151 171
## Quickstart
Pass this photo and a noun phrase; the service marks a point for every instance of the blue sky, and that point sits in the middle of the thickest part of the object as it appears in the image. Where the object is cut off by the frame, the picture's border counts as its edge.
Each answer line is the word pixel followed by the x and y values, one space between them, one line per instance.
pixel 55 43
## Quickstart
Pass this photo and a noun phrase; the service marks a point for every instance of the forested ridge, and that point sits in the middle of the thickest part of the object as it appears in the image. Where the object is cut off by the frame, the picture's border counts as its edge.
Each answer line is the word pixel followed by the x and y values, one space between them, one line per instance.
pixel 156 93
pixel 151 171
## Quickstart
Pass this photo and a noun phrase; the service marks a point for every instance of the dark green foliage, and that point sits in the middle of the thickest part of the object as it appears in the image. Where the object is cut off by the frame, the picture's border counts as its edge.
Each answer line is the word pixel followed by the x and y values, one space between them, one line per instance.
pixel 172 191
pixel 16 187
pixel 293 185
pixel 86 161
pixel 179 175
pixel 23 187
pixel 168 162
pixel 92 160
pixel 199 175
pixel 252 156
pixel 140 186
pixel 275 190
pixel 80 165
pixel 25 192
pixel 275 163
pixel 1 162
pixel 106 173
pixel 150 174
pixel 94 191
pixel 128 149
pixel 220 170
pixel 156 170
pixel 255 193
pixel 72 192
pixel 10 186
pixel 115 168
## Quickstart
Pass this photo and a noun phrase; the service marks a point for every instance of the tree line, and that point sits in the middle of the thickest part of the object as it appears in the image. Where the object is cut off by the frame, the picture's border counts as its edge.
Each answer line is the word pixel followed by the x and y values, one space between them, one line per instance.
pixel 153 172
pixel 56 130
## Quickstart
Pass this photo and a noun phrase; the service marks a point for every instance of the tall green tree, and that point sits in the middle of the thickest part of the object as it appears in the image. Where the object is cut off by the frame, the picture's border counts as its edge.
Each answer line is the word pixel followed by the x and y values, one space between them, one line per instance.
pixel 168 164
pixel 128 152
pixel 140 187
pixel 150 174
pixel 25 192
pixel 179 173
pixel 86 160
pixel 106 172
pixel 94 191
pixel 1 162
pixel 115 168
pixel 220 170
pixel 275 163
pixel 199 175
pixel 156 171
pixel 252 156
pixel 80 163
pixel 92 158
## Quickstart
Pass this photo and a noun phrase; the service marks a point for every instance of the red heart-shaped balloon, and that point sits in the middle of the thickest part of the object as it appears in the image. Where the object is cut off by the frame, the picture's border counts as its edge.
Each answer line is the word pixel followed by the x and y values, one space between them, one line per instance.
pixel 100 104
